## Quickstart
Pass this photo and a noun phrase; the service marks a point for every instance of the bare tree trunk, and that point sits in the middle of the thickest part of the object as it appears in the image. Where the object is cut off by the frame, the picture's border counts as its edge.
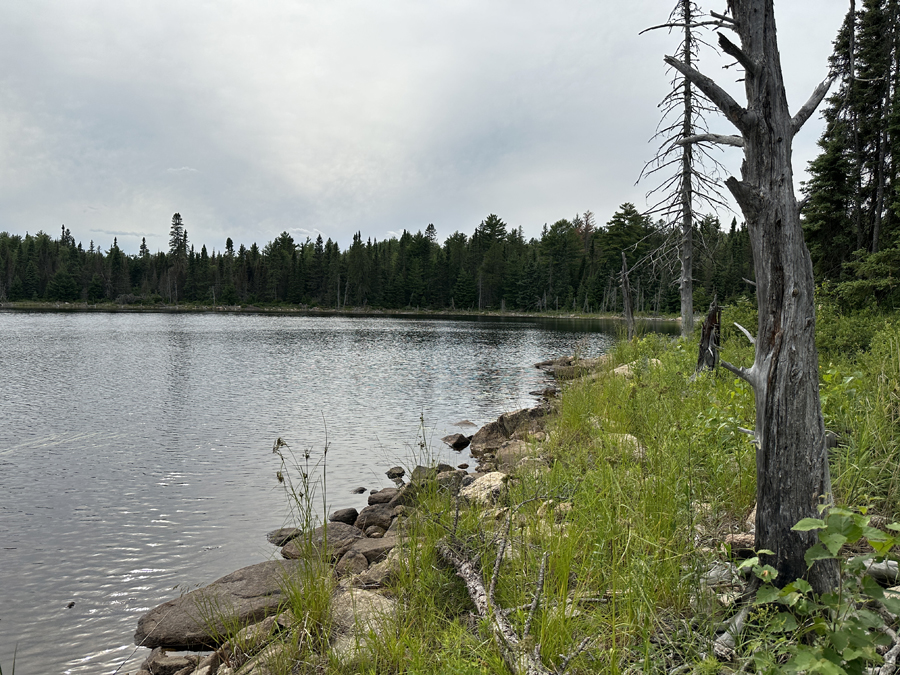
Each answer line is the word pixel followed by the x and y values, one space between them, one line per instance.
pixel 626 299
pixel 792 460
pixel 687 197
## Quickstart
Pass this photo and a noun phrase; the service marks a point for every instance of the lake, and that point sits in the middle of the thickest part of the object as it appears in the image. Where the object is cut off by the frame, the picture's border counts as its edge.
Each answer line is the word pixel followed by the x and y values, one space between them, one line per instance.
pixel 136 448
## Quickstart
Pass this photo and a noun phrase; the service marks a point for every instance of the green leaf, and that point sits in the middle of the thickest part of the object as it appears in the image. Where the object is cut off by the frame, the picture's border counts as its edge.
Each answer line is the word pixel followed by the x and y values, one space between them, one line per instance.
pixel 840 639
pixel 817 552
pixel 766 572
pixel 808 524
pixel 800 585
pixel 833 541
pixel 872 588
pixel 891 603
pixel 767 594
pixel 785 622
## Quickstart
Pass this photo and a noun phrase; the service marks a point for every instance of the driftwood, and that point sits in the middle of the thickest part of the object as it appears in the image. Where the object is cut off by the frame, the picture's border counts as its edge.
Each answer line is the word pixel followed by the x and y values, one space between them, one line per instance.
pixel 515 656
pixel 512 647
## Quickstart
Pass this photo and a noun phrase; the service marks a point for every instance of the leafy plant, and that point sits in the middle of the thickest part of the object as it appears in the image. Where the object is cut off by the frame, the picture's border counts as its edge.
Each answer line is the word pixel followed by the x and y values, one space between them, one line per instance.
pixel 837 632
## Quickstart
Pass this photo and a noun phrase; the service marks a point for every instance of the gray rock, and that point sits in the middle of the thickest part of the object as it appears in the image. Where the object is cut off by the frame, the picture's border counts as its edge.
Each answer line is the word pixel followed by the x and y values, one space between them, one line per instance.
pixel 457 441
pixel 377 514
pixel 195 620
pixel 488 437
pixel 485 490
pixel 358 491
pixel 161 662
pixel 282 536
pixel 381 573
pixel 375 550
pixel 353 562
pixel 359 618
pixel 395 472
pixel 346 516
pixel 339 537
pixel 374 531
pixel 422 473
pixel 383 496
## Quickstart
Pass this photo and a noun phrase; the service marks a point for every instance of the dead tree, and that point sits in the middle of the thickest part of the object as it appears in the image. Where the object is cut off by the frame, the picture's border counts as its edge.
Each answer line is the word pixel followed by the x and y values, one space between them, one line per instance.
pixel 626 299
pixel 792 461
pixel 708 356
pixel 693 182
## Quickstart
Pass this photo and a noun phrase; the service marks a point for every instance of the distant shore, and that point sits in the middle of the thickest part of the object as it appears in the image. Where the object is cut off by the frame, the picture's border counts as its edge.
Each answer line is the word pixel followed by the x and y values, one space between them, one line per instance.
pixel 303 310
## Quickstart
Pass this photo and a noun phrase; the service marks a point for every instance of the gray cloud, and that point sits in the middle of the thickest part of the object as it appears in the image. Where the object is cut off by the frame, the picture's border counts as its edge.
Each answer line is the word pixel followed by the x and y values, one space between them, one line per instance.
pixel 339 117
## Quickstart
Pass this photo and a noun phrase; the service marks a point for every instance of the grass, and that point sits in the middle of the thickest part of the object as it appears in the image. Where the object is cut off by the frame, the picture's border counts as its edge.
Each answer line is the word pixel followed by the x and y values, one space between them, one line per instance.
pixel 626 554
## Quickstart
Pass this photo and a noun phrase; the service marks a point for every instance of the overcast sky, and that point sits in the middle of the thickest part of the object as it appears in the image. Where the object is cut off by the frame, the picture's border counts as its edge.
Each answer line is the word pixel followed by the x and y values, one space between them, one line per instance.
pixel 337 116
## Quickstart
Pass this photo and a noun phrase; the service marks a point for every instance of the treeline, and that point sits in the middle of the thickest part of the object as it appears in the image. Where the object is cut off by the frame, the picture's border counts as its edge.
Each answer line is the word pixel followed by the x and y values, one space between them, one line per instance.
pixel 853 195
pixel 575 265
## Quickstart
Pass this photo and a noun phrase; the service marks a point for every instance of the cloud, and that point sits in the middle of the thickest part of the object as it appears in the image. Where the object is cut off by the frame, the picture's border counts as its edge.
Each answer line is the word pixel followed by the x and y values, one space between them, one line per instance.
pixel 340 117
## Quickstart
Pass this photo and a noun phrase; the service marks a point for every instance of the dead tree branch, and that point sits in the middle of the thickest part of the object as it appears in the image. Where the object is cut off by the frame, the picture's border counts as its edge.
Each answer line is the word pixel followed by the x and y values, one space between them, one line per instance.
pixel 736 113
pixel 721 139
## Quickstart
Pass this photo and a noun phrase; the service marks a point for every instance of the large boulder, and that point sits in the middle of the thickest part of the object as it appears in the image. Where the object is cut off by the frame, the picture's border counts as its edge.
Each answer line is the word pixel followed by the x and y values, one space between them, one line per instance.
pixel 198 620
pixel 346 516
pixel 494 434
pixel 489 437
pixel 383 496
pixel 339 538
pixel 377 514
pixel 485 490
pixel 375 550
pixel 360 618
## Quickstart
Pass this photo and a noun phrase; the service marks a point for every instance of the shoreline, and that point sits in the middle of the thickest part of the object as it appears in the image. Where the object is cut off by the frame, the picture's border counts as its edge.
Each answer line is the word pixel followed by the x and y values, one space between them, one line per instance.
pixel 301 310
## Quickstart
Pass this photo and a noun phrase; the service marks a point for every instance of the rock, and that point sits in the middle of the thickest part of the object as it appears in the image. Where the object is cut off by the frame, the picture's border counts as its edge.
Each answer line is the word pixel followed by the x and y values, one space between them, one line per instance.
pixel 375 550
pixel 353 562
pixel 740 541
pixel 751 520
pixel 282 536
pixel 463 466
pixel 377 514
pixel 269 661
pixel 381 573
pixel 339 537
pixel 457 441
pixel 486 489
pixel 358 491
pixel 465 423
pixel 628 370
pixel 358 617
pixel 448 479
pixel 374 531
pixel 346 516
pixel 531 466
pixel 625 444
pixel 488 437
pixel 160 662
pixel 383 496
pixel 195 620
pixel 443 468
pixel 422 473
pixel 510 453
pixel 395 473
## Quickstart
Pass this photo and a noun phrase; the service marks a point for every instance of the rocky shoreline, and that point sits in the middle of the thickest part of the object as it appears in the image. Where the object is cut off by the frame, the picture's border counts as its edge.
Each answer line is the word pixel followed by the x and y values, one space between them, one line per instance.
pixel 362 549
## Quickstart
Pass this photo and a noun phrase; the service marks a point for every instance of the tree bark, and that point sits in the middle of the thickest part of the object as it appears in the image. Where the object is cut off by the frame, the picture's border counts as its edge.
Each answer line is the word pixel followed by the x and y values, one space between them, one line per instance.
pixel 626 299
pixel 687 194
pixel 791 462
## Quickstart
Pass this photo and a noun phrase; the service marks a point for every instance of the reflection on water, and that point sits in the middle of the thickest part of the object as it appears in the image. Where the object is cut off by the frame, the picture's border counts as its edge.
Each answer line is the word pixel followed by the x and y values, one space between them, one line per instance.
pixel 135 450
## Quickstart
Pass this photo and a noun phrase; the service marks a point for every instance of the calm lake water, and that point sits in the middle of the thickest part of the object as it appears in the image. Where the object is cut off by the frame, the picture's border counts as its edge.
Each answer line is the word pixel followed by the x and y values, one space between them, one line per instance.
pixel 136 449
